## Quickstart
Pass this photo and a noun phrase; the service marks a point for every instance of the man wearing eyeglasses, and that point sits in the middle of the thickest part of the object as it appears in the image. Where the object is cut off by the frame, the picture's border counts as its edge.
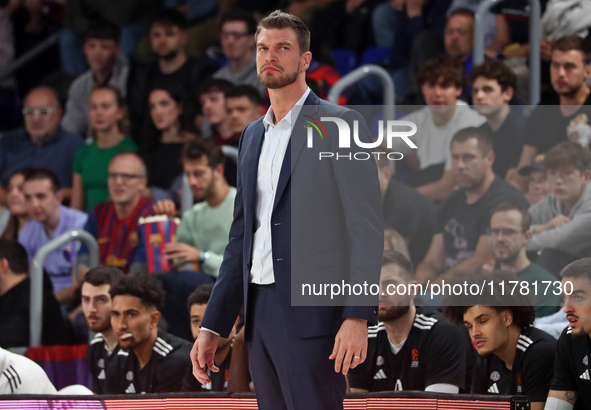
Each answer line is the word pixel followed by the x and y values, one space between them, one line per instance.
pixel 237 39
pixel 114 222
pixel 42 143
pixel 509 235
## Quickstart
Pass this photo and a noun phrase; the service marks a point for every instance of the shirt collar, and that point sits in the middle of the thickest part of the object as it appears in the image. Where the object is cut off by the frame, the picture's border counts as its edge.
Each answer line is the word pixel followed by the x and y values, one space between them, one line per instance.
pixel 268 119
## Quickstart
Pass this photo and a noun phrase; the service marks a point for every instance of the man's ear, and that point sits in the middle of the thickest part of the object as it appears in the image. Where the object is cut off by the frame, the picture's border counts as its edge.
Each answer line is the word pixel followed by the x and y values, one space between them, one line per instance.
pixel 507 317
pixel 4 266
pixel 155 318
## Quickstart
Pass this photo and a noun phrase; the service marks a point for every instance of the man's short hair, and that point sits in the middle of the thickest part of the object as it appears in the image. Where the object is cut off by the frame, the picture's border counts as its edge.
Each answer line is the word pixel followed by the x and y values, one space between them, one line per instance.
pixel 445 69
pixel 576 269
pixel 245 91
pixel 53 92
pixel 200 296
pixel 485 143
pixel 198 148
pixel 145 287
pixel 512 206
pixel 573 42
pixel 102 30
pixel 215 85
pixel 495 70
pixel 136 156
pixel 395 257
pixel 170 18
pixel 279 19
pixel 37 174
pixel 241 15
pixel 567 153
pixel 103 275
pixel 462 11
pixel 16 256
pixel 521 307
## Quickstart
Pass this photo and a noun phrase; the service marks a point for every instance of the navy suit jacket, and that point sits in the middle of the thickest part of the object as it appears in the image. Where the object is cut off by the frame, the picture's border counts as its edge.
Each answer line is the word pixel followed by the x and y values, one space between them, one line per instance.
pixel 337 233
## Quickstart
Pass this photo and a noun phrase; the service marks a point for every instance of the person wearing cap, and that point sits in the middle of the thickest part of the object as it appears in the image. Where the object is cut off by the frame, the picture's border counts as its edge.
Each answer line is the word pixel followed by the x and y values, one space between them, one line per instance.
pixel 560 222
pixel 537 184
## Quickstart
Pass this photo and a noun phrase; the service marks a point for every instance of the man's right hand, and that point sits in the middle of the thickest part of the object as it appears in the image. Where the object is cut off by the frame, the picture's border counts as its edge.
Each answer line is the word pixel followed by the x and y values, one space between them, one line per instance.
pixel 165 207
pixel 202 355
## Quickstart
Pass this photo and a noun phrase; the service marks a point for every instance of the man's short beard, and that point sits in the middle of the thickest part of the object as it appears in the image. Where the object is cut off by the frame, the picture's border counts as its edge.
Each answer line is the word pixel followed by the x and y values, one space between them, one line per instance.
pixel 393 313
pixel 100 327
pixel 281 81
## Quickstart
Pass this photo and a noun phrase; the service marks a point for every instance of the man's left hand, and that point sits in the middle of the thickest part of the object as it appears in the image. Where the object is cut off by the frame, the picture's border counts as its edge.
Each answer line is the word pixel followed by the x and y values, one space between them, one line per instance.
pixel 181 252
pixel 350 346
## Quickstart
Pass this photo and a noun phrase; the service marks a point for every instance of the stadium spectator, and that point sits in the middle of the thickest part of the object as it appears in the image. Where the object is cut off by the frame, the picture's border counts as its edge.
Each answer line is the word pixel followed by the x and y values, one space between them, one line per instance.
pixel 561 220
pixel 20 375
pixel 96 305
pixel 50 219
pixel 107 67
pixel 150 360
pixel 203 21
pixel 197 303
pixel 568 118
pixel 15 292
pixel 243 106
pixel 461 240
pixel 114 222
pixel 237 40
pixel 411 348
pixel 211 96
pixel 509 235
pixel 168 37
pixel 204 230
pixel 411 214
pixel 442 81
pixel 19 216
pixel 42 143
pixel 493 87
pixel 109 125
pixel 570 383
pixel 537 183
pixel 170 127
pixel 514 357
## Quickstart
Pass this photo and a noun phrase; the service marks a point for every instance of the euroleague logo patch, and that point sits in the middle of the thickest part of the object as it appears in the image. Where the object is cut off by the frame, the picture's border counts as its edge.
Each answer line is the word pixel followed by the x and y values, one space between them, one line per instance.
pixel 414 355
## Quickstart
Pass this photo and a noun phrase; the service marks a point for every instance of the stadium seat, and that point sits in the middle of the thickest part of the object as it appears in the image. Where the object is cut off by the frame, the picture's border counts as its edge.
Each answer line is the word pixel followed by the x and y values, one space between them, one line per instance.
pixel 344 60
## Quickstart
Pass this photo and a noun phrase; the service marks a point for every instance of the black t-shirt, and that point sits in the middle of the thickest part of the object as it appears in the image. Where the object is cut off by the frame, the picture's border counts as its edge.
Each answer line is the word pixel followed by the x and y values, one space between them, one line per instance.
pixel 546 126
pixel 462 224
pixel 507 143
pixel 531 372
pixel 165 165
pixel 412 215
pixel 165 372
pixel 99 359
pixel 571 367
pixel 435 351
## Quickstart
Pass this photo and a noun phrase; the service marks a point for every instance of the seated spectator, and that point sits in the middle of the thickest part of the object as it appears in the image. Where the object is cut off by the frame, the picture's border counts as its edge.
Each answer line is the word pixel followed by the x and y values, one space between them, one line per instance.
pixel 243 106
pixel 170 127
pixel 197 304
pixel 569 388
pixel 19 216
pixel 114 223
pixel 411 214
pixel 537 183
pixel 20 375
pixel 42 143
pixel 96 305
pixel 561 220
pixel 514 357
pixel 493 87
pixel 238 44
pixel 441 81
pixel 107 67
pixel 50 219
pixel 212 99
pixel 15 299
pixel 109 124
pixel 461 240
pixel 509 235
pixel 203 20
pixel 204 230
pixel 168 37
pixel 150 360
pixel 549 125
pixel 411 348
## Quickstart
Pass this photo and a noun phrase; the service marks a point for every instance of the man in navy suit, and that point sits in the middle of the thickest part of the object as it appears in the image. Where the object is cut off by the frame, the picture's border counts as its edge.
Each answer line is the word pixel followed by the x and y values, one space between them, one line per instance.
pixel 336 234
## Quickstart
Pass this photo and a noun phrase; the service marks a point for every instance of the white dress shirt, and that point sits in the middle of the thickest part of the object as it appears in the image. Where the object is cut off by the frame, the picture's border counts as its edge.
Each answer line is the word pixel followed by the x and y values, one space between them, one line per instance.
pixel 270 163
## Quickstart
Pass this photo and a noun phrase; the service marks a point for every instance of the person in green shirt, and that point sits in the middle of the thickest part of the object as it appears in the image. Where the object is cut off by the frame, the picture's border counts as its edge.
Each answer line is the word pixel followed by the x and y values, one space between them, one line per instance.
pixel 109 124
pixel 509 234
